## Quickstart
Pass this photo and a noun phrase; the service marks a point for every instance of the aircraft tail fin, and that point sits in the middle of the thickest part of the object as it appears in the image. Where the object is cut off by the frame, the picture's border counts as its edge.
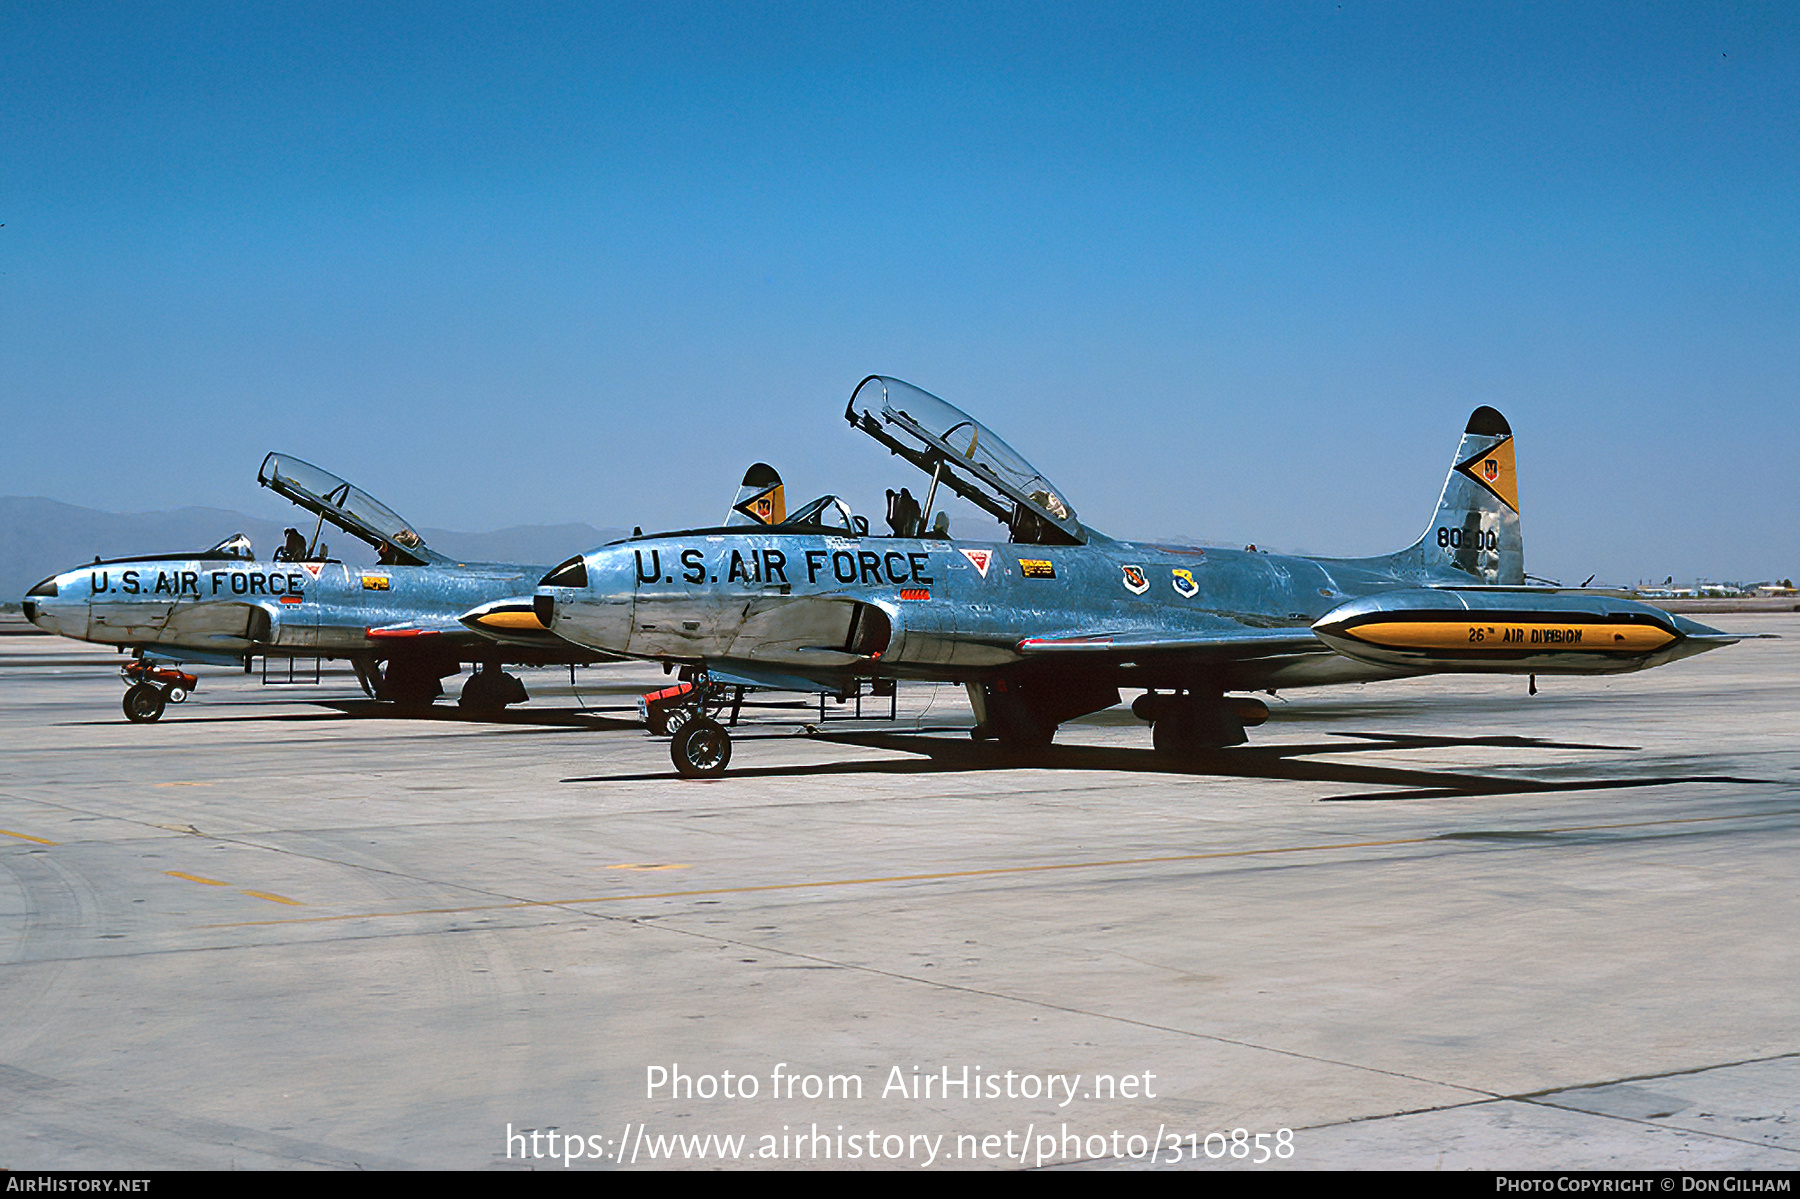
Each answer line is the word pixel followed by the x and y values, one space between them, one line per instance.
pixel 1475 531
pixel 760 499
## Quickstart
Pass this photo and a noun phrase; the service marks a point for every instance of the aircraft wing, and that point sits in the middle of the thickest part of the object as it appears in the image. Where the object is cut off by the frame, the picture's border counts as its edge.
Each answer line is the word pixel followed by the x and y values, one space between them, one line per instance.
pixel 1224 646
pixel 754 674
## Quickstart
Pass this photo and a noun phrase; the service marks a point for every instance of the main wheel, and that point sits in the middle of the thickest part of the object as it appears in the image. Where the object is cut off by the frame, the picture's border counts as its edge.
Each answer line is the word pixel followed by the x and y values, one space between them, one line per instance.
pixel 144 703
pixel 1173 734
pixel 701 749
pixel 1022 732
pixel 1186 730
pixel 490 691
pixel 410 684
pixel 477 694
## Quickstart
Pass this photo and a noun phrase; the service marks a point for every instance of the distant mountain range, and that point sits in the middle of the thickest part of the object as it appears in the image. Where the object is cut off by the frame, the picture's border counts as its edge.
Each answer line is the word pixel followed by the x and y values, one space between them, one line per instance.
pixel 39 537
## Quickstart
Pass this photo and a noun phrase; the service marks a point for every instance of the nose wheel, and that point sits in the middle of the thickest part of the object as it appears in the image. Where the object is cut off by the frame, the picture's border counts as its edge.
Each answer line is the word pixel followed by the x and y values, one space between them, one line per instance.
pixel 701 749
pixel 696 713
pixel 144 703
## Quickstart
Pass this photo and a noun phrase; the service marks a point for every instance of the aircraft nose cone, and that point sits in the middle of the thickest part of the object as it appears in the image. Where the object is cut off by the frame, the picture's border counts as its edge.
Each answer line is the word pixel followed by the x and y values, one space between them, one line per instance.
pixel 41 605
pixel 589 600
pixel 56 616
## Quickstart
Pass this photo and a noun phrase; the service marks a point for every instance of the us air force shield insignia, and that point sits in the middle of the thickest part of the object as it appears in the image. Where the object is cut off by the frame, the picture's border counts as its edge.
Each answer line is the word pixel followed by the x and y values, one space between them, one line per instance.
pixel 1135 580
pixel 1184 584
pixel 979 559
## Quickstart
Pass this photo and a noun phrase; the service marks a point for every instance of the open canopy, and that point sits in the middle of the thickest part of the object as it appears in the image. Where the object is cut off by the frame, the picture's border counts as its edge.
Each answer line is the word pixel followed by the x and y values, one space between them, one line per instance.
pixel 961 453
pixel 349 508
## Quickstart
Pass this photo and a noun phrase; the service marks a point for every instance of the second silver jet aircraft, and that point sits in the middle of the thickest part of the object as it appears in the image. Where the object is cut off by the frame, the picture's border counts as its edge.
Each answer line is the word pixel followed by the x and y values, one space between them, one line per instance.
pixel 1051 620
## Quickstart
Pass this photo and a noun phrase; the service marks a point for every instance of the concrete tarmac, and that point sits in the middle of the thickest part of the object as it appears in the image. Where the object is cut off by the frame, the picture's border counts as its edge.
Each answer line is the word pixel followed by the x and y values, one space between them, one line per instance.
pixel 1431 924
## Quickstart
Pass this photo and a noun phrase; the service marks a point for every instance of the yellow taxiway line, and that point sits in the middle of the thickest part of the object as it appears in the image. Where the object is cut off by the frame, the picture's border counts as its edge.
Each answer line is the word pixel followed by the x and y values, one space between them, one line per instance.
pixel 938 876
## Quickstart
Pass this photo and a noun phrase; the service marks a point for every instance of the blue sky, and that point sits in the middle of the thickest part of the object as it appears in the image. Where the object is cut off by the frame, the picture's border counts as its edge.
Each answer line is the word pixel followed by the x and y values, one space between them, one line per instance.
pixel 1237 272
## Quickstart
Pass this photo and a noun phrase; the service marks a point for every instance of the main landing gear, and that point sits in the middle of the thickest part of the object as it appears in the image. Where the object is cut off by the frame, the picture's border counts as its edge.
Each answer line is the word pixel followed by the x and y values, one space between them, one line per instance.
pixel 1023 714
pixel 151 688
pixel 1185 724
pixel 490 689
pixel 414 681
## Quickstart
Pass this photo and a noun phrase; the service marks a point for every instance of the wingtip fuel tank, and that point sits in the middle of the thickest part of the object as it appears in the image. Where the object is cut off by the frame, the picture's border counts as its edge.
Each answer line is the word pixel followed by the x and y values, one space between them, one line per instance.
pixel 1511 632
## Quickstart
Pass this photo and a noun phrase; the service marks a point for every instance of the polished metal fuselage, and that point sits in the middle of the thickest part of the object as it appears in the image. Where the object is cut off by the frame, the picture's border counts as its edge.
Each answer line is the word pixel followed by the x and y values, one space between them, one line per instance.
pixel 744 601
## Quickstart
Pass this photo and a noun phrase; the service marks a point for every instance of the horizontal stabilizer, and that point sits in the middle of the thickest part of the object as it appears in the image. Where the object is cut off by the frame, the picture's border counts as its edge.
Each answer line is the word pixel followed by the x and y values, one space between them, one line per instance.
pixel 1535 589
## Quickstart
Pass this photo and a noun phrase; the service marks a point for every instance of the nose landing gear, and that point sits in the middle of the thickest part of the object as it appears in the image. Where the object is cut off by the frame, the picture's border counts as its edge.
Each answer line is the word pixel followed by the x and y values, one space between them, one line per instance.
pixel 151 688
pixel 696 713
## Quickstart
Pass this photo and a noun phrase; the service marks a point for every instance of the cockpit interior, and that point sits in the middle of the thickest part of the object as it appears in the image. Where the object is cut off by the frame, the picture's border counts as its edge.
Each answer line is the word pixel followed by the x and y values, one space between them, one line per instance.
pixel 349 508
pixel 961 454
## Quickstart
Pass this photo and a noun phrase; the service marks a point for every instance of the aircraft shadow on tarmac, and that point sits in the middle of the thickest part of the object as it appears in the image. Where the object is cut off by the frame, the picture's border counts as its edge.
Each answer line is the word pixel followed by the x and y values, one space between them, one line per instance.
pixel 950 751
pixel 368 709
pixel 942 755
pixel 546 718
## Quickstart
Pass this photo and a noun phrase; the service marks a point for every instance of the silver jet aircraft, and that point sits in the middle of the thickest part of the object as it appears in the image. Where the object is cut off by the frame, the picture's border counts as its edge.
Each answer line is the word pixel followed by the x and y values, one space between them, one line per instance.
pixel 1051 620
pixel 405 623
